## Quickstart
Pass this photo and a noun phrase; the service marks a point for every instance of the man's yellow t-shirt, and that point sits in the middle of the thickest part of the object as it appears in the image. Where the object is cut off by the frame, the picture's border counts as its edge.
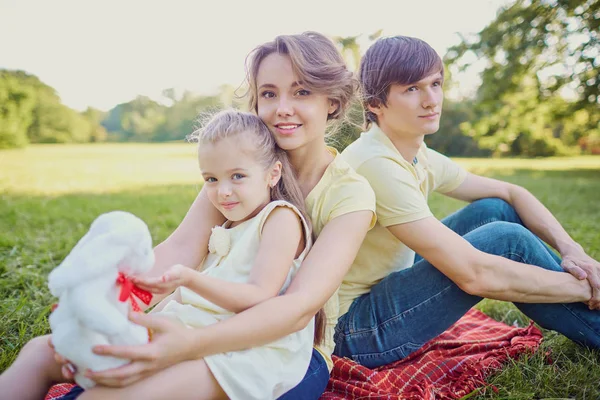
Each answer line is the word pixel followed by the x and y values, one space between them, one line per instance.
pixel 401 189
pixel 340 191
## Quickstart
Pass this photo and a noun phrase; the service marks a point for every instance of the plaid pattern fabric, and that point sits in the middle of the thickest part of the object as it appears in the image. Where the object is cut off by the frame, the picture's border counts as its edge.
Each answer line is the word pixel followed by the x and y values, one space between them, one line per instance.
pixel 449 366
pixel 57 391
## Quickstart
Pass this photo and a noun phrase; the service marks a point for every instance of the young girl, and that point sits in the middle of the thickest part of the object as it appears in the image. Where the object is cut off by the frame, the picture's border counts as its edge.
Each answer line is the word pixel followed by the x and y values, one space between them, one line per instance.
pixel 252 256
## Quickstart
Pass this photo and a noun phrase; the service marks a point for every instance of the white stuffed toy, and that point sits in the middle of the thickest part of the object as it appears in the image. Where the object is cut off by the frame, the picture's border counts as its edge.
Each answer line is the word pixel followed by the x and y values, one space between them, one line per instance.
pixel 92 287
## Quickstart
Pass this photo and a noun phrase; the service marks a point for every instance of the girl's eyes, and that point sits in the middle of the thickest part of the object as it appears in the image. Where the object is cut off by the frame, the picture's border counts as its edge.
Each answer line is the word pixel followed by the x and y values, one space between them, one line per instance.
pixel 412 89
pixel 303 92
pixel 437 83
pixel 235 177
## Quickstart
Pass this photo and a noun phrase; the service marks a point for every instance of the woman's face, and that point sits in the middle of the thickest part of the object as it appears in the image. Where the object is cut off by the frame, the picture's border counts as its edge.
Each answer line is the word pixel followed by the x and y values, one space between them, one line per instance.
pixel 296 116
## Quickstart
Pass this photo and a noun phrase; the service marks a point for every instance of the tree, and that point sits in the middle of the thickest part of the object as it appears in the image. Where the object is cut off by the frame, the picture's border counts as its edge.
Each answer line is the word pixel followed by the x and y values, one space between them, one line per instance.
pixel 349 46
pixel 180 119
pixel 16 103
pixel 31 112
pixel 450 139
pixel 135 121
pixel 538 54
pixel 97 132
pixel 351 49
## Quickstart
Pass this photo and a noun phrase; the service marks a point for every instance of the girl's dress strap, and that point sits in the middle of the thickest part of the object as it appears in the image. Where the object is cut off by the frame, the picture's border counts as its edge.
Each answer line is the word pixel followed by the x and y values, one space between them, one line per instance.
pixel 264 214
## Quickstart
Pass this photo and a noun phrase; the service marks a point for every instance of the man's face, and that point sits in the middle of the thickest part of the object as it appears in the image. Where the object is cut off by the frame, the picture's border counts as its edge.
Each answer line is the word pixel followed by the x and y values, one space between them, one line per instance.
pixel 412 110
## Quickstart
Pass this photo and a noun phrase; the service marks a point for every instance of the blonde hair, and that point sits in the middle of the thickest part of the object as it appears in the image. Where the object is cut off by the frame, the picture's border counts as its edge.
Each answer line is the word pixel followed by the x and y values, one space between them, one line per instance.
pixel 317 63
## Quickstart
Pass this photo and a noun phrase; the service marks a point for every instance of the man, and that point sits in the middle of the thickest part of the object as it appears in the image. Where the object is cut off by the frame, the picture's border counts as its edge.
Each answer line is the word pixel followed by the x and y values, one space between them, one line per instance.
pixel 394 301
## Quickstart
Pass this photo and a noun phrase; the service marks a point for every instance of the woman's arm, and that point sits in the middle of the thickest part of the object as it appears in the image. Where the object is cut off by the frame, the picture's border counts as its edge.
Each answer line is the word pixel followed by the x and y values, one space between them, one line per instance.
pixel 280 239
pixel 319 277
pixel 188 244
pixel 488 275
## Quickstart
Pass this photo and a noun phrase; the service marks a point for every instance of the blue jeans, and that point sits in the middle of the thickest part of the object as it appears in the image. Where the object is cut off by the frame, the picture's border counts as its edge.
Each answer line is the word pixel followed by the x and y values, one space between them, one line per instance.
pixel 410 307
pixel 311 387
pixel 314 382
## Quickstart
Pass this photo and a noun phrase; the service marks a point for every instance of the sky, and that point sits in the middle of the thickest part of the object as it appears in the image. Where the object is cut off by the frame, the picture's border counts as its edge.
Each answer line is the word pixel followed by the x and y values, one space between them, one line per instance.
pixel 102 53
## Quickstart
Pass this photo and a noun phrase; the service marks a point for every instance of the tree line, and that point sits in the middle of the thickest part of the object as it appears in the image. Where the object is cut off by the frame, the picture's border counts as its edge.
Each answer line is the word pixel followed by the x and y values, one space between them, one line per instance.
pixel 539 93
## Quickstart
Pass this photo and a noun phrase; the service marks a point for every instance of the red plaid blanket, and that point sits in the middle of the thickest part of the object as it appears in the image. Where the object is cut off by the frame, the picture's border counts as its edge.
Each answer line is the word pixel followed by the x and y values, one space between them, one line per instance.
pixel 449 366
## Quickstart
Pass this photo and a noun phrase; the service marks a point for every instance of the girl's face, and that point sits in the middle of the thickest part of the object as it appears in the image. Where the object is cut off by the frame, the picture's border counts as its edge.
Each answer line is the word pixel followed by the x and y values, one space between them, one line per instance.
pixel 296 116
pixel 236 183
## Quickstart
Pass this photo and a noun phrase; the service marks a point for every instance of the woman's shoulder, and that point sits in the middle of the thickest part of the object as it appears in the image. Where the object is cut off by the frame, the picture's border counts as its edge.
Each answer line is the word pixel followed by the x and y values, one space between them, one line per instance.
pixel 340 176
pixel 342 187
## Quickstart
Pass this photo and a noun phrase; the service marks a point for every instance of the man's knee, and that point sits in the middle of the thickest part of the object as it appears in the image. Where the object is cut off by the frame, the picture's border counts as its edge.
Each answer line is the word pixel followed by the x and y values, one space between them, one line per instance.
pixel 509 230
pixel 497 209
pixel 500 237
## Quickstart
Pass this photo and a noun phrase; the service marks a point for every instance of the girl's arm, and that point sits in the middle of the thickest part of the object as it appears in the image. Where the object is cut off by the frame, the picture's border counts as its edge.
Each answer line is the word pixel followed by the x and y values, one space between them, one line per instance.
pixel 188 244
pixel 280 240
pixel 319 277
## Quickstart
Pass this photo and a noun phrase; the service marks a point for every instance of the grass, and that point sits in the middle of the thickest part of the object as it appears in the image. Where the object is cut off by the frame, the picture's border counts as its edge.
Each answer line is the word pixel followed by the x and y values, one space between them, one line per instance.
pixel 50 194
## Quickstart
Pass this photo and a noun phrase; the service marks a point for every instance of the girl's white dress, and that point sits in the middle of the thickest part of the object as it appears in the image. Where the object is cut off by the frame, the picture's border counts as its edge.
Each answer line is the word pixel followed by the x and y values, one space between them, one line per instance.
pixel 264 372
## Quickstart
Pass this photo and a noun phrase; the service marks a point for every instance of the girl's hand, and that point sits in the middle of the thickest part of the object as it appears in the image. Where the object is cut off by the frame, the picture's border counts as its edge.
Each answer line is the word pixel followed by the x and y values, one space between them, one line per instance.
pixel 171 344
pixel 176 276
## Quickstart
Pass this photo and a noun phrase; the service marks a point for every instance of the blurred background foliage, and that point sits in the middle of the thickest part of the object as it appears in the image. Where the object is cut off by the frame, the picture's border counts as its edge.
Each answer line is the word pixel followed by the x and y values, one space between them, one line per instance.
pixel 538 95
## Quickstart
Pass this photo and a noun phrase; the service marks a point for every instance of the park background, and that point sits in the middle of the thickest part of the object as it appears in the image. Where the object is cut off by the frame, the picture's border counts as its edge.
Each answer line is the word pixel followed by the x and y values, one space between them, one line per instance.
pixel 96 100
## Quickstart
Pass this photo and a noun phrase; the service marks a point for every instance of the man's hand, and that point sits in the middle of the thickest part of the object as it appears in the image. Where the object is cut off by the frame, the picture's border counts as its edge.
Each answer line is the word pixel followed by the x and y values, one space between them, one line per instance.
pixel 582 266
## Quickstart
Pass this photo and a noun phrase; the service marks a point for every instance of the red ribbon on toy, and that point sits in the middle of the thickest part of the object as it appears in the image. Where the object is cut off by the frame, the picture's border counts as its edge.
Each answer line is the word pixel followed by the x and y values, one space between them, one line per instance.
pixel 128 289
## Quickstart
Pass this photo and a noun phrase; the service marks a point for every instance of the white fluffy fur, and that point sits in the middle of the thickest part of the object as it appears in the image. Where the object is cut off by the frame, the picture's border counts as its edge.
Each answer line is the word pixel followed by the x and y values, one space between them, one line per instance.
pixel 89 312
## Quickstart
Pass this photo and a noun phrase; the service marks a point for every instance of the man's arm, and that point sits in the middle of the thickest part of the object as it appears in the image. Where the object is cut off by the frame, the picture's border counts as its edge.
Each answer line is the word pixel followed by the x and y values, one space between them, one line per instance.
pixel 487 275
pixel 536 218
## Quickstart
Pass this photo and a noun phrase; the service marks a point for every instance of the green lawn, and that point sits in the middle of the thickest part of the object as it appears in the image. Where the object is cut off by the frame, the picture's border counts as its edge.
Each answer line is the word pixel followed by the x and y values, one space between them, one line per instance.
pixel 50 194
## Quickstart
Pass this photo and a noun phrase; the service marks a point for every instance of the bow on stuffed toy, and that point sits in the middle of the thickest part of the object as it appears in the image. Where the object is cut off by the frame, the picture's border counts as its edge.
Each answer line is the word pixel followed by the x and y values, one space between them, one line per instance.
pixel 128 289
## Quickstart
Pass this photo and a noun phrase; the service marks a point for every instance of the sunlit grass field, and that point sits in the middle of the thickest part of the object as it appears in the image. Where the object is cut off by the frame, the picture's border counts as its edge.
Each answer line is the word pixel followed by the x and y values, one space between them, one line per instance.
pixel 50 194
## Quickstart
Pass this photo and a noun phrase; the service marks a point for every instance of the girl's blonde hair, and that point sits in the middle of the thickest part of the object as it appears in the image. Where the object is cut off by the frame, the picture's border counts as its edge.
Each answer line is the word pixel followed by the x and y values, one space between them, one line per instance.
pixel 317 63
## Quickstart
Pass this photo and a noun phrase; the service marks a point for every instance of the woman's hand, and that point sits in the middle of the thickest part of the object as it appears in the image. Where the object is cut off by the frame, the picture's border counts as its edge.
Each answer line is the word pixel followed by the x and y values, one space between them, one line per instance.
pixel 171 344
pixel 67 369
pixel 174 277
